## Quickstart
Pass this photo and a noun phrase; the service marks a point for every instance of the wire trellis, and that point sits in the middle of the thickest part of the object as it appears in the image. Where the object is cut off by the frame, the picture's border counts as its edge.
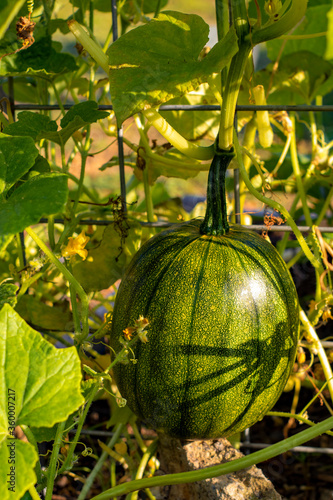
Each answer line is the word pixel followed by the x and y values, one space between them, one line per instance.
pixel 247 445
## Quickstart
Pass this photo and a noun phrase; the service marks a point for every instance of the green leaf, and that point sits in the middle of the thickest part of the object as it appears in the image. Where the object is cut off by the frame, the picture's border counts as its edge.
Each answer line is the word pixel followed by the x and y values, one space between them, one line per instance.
pixel 40 59
pixel 315 22
pixel 17 156
pixel 40 126
pixel 301 77
pixel 106 263
pixel 24 476
pixel 8 293
pixel 40 196
pixel 31 124
pixel 46 380
pixel 156 62
pixel 40 315
pixel 77 117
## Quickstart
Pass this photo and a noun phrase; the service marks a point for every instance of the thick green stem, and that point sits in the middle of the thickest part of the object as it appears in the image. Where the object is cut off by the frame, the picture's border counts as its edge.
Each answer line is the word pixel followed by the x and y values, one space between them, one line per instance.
pixel 216 217
pixel 286 22
pixel 234 80
pixel 219 470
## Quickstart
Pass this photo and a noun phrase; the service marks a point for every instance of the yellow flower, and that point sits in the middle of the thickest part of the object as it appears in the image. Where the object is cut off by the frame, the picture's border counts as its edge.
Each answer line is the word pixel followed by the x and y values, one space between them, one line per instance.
pixel 76 246
pixel 128 332
pixel 327 314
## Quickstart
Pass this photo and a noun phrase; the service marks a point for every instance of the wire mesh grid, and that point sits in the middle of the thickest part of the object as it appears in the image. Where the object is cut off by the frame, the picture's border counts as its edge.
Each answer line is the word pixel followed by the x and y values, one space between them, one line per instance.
pixel 246 444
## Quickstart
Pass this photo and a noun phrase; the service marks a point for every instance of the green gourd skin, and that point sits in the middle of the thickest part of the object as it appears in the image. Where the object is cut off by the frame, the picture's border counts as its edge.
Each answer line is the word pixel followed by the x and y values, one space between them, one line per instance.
pixel 223 329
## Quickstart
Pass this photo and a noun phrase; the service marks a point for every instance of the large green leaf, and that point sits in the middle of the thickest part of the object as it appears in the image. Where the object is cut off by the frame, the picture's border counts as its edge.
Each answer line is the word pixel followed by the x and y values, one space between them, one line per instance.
pixel 40 386
pixel 315 22
pixel 46 380
pixel 40 196
pixel 156 62
pixel 17 156
pixel 23 475
pixel 42 127
pixel 107 262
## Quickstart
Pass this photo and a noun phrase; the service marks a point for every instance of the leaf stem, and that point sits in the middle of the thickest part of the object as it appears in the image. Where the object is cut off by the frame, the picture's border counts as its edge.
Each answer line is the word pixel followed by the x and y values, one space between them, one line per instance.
pixel 76 285
pixel 222 469
pixel 69 458
pixel 142 465
pixel 279 208
pixel 177 140
pixel 51 471
pixel 297 173
pixel 99 464
pixel 317 348
pixel 296 416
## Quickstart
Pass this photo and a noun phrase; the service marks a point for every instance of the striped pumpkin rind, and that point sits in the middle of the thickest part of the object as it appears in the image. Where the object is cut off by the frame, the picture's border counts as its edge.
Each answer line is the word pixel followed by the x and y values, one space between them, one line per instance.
pixel 222 338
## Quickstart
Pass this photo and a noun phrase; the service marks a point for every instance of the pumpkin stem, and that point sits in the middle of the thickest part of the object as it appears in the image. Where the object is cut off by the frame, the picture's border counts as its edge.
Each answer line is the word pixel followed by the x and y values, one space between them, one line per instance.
pixel 216 218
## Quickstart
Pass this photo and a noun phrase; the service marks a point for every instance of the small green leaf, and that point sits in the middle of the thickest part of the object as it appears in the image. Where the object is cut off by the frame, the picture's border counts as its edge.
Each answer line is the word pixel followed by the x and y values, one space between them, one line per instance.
pixel 17 156
pixel 24 476
pixel 106 263
pixel 158 61
pixel 45 380
pixel 8 293
pixel 40 196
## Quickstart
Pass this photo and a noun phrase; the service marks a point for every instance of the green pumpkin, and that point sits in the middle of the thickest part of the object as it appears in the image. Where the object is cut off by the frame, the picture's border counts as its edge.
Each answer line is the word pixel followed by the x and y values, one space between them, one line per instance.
pixel 223 325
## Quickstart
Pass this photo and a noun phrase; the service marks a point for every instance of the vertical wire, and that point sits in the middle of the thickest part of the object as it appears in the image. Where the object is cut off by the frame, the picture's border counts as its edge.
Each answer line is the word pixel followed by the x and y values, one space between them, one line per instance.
pixel 236 187
pixel 120 129
pixel 11 98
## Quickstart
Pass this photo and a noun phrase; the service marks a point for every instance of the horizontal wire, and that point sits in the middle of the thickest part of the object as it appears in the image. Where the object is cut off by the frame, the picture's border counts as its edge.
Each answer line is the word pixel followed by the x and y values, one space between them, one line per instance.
pixel 189 107
pixel 254 227
pixel 304 449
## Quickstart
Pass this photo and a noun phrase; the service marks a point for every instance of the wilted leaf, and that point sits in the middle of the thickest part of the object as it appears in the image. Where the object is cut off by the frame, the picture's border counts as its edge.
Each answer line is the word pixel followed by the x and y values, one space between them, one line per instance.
pixel 42 316
pixel 107 263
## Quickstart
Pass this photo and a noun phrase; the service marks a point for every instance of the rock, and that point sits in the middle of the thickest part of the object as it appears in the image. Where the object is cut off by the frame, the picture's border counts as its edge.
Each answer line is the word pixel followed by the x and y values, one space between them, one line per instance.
pixel 180 456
